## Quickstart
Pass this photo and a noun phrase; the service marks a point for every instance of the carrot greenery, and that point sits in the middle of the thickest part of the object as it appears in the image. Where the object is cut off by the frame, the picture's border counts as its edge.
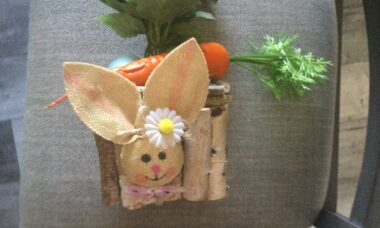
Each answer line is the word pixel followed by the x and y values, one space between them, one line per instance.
pixel 283 68
pixel 166 23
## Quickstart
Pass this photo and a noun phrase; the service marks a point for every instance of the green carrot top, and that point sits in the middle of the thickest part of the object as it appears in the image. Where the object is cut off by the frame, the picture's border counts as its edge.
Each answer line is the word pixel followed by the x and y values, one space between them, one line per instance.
pixel 283 68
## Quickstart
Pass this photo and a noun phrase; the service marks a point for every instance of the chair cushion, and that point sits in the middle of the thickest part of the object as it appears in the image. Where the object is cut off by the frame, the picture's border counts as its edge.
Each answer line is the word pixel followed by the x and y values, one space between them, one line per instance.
pixel 279 152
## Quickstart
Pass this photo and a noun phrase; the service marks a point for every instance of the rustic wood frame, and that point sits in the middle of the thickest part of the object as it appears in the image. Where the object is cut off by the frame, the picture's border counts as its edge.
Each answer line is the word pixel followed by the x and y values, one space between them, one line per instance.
pixel 206 150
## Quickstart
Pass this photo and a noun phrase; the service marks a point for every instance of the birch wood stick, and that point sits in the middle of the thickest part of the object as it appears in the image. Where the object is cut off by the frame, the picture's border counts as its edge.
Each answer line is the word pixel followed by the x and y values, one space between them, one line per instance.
pixel 213 101
pixel 197 158
pixel 218 94
pixel 108 171
pixel 218 89
pixel 217 188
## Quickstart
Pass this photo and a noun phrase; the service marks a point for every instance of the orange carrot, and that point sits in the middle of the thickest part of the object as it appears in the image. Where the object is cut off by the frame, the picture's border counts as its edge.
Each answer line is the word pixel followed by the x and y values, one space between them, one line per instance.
pixel 139 71
pixel 217 59
pixel 216 56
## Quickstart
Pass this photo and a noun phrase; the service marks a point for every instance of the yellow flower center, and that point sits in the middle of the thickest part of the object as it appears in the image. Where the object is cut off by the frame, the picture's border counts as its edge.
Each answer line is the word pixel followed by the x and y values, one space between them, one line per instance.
pixel 166 126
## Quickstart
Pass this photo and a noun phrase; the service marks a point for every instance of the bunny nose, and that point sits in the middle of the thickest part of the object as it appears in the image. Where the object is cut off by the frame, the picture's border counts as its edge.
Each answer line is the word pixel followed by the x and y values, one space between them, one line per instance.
pixel 156 168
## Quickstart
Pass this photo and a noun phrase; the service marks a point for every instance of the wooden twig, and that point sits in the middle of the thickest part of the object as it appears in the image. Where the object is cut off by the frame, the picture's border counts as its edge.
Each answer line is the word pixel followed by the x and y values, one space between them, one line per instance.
pixel 108 171
pixel 217 188
pixel 197 158
pixel 216 89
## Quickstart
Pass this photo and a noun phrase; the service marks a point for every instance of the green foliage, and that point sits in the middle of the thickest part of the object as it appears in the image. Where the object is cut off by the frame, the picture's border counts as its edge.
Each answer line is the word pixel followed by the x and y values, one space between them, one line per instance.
pixel 123 24
pixel 166 23
pixel 283 68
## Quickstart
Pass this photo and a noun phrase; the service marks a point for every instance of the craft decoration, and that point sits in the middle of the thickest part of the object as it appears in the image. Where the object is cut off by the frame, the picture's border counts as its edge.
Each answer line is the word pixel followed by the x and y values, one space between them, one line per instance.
pixel 164 127
pixel 147 132
pixel 282 68
pixel 160 125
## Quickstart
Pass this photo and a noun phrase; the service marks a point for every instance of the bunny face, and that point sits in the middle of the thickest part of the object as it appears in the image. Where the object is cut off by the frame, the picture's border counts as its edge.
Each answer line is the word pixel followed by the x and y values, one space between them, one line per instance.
pixel 148 166
pixel 110 105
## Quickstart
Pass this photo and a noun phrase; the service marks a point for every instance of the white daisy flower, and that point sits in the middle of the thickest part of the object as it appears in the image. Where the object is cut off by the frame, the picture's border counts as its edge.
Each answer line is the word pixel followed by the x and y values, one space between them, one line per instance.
pixel 164 127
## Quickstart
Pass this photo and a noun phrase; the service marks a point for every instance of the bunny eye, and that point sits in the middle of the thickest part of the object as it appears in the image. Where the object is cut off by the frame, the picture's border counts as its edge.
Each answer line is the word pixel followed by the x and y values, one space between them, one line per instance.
pixel 146 158
pixel 162 155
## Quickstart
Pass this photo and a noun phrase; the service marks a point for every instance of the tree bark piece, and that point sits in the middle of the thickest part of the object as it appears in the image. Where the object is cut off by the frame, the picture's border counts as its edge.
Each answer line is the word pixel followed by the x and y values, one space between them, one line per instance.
pixel 108 171
pixel 197 158
pixel 217 188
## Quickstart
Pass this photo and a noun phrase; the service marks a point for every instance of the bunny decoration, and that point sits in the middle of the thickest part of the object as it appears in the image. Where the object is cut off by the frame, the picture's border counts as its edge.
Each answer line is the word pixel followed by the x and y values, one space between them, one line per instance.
pixel 147 130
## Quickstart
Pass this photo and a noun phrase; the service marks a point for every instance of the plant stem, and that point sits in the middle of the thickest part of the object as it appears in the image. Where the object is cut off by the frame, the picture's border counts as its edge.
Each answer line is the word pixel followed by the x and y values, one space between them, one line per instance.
pixel 148 49
pixel 259 59
pixel 254 60
pixel 157 37
pixel 167 29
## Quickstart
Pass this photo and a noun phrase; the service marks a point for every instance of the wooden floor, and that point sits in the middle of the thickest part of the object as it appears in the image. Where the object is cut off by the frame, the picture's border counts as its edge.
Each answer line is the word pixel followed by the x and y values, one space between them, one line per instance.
pixel 354 102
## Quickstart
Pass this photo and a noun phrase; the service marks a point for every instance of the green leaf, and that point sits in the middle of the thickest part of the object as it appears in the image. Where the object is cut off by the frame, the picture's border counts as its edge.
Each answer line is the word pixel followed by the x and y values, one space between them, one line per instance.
pixel 164 22
pixel 193 28
pixel 123 24
pixel 204 15
pixel 127 6
pixel 162 11
pixel 187 29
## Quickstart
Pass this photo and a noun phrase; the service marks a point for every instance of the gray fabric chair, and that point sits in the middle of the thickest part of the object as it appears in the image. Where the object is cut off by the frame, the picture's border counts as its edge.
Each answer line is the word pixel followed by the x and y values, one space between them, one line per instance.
pixel 279 153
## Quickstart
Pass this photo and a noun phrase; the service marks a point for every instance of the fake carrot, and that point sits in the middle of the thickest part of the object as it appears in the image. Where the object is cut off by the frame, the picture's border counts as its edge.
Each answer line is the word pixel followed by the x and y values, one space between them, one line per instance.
pixel 216 55
pixel 217 59
pixel 138 71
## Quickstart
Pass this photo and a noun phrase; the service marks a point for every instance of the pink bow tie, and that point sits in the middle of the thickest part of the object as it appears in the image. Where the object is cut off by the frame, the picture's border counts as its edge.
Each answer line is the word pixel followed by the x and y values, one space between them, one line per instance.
pixel 141 192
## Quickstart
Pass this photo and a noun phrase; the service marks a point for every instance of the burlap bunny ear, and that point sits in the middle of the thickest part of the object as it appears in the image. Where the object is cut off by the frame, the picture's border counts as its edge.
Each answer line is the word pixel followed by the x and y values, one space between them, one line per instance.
pixel 180 82
pixel 105 101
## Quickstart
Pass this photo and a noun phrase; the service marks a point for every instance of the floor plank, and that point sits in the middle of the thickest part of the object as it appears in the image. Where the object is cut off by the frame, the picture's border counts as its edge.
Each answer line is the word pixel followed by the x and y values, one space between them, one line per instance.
pixel 354 103
pixel 354 46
